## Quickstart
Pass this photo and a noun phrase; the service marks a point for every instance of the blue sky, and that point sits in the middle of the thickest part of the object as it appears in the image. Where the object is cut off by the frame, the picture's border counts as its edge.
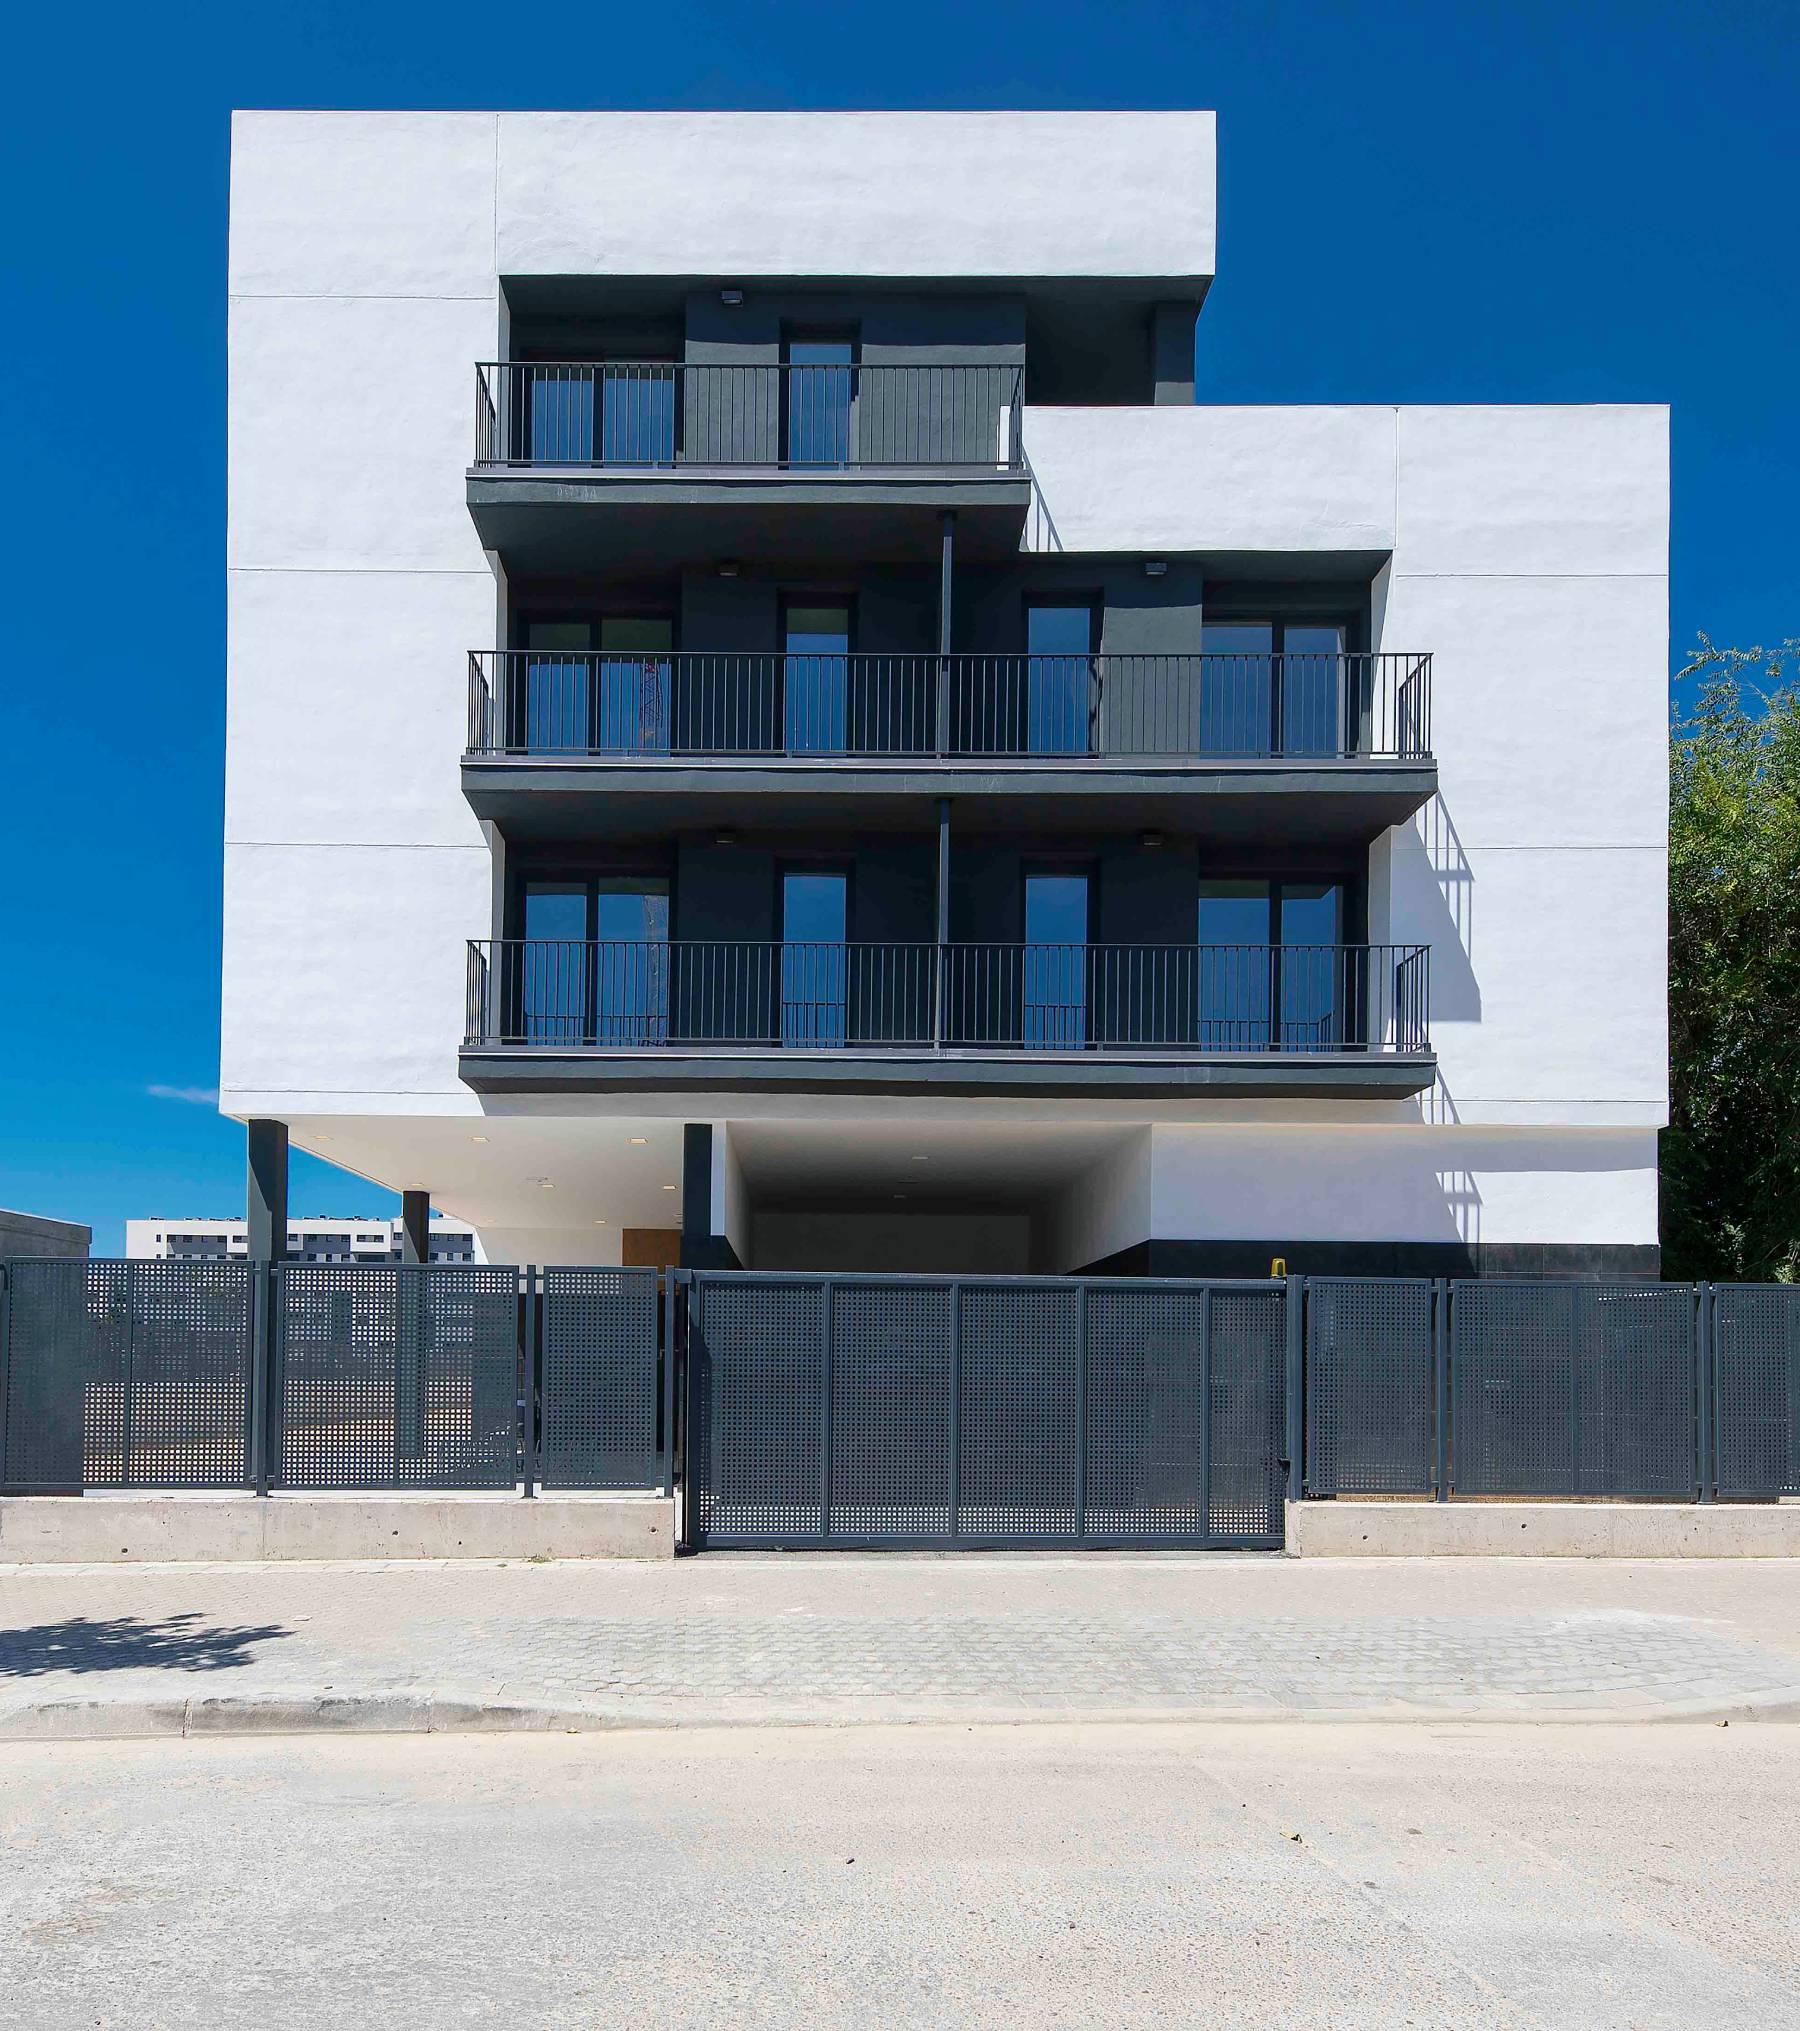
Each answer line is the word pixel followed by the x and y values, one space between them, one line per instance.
pixel 1541 200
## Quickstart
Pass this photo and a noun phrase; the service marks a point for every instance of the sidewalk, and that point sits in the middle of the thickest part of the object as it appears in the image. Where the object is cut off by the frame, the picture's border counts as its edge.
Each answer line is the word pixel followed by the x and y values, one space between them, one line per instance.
pixel 843 1639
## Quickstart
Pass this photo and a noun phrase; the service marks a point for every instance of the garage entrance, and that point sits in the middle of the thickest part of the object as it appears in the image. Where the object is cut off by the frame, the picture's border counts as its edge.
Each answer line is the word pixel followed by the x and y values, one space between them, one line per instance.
pixel 897 1411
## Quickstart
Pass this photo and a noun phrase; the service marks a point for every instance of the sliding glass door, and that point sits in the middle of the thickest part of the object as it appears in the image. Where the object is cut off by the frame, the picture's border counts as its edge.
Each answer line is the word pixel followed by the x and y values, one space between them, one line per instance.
pixel 1274 687
pixel 595 686
pixel 594 967
pixel 815 975
pixel 1055 960
pixel 1271 967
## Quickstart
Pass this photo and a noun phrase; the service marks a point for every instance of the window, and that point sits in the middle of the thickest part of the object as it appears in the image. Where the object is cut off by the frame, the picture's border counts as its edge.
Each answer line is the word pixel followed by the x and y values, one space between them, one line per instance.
pixel 595 686
pixel 1272 969
pixel 815 924
pixel 1274 687
pixel 594 967
pixel 815 678
pixel 1060 685
pixel 819 380
pixel 1055 959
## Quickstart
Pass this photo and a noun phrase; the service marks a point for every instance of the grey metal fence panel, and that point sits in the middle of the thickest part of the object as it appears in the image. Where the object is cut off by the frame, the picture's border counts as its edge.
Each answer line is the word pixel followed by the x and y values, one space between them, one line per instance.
pixel 1756 1389
pixel 1146 1413
pixel 893 1370
pixel 1018 1414
pixel 127 1375
pixel 757 1359
pixel 600 1403
pixel 401 1376
pixel 1245 1486
pixel 1370 1386
pixel 1566 1388
pixel 1009 1410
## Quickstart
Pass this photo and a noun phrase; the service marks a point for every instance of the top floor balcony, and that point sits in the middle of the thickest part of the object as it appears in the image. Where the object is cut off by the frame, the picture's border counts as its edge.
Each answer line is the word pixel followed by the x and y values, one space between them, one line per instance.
pixel 847 447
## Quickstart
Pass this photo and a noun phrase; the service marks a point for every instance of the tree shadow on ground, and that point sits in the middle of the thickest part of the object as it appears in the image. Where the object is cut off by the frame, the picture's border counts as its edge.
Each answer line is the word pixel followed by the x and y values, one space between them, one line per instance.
pixel 129 1643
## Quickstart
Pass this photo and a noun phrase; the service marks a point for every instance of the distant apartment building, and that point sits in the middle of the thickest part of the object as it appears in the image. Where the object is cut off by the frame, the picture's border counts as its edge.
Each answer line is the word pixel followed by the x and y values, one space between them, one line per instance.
pixel 772 722
pixel 311 1238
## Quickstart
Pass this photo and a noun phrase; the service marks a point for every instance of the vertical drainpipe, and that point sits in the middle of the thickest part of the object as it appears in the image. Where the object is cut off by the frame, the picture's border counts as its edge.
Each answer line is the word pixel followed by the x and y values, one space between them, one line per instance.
pixel 266 1216
pixel 943 920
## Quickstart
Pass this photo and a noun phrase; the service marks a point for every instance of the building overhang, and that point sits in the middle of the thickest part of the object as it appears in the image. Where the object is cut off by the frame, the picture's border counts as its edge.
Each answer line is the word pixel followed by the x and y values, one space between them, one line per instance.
pixel 1323 802
pixel 549 523
pixel 985 1074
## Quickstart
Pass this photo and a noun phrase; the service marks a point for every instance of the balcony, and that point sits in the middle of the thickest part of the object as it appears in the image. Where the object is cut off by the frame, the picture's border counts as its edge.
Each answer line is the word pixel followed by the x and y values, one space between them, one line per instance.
pixel 698 454
pixel 1302 1021
pixel 1230 746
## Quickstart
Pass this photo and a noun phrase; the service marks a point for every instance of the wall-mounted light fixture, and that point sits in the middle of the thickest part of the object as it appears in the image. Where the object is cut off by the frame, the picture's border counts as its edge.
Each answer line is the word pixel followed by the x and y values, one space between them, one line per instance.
pixel 733 297
pixel 725 836
pixel 728 567
pixel 1151 840
pixel 1155 567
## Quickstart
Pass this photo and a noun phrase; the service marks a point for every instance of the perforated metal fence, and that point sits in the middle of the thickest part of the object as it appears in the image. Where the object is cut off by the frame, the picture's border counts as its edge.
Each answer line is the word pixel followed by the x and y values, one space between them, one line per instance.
pixel 1755 1338
pixel 126 1374
pixel 1375 1415
pixel 401 1376
pixel 604 1379
pixel 957 1411
pixel 1655 1391
pixel 313 1376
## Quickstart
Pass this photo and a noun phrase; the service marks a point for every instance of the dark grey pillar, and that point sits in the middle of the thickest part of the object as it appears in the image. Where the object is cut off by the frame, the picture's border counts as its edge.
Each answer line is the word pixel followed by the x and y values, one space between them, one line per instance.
pixel 940 983
pixel 701 1248
pixel 415 1226
pixel 266 1201
pixel 946 574
pixel 1172 351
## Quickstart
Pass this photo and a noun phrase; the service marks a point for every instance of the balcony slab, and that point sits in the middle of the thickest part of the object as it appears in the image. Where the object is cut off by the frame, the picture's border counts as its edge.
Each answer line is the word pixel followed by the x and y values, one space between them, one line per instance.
pixel 728 1068
pixel 1336 802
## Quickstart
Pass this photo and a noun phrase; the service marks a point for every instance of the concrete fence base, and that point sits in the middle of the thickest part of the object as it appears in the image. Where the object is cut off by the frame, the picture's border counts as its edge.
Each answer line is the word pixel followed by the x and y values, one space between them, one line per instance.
pixel 105 1529
pixel 1543 1530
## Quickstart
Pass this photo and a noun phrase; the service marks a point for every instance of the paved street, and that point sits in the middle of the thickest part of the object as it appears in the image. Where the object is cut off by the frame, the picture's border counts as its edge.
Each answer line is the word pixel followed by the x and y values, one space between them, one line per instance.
pixel 1326 1875
pixel 132 1649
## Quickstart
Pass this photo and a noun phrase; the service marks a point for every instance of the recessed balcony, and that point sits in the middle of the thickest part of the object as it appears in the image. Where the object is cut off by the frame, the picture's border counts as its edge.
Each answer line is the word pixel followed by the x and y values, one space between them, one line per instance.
pixel 677 460
pixel 1302 1021
pixel 1229 746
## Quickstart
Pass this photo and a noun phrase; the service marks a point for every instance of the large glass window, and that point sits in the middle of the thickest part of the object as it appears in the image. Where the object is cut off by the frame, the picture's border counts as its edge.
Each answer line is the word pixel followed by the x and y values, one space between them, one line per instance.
pixel 1059 696
pixel 815 924
pixel 596 686
pixel 1272 970
pixel 815 679
pixel 1273 687
pixel 595 964
pixel 1055 978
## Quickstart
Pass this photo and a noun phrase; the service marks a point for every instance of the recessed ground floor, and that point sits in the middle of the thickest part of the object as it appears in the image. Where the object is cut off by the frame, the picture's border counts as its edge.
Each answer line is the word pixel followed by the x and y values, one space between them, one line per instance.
pixel 944 1185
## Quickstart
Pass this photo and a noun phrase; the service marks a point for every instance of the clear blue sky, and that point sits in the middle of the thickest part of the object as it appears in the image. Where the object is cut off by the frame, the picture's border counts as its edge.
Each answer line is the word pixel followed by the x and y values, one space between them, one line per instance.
pixel 1539 200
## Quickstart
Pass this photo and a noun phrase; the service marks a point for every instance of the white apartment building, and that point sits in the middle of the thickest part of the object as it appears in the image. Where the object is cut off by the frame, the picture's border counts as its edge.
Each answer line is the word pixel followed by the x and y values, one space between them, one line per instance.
pixel 772 722
pixel 311 1237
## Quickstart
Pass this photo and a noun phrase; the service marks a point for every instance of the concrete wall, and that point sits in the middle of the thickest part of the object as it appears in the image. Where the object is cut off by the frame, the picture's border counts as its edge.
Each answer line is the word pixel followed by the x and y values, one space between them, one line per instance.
pixel 33 1234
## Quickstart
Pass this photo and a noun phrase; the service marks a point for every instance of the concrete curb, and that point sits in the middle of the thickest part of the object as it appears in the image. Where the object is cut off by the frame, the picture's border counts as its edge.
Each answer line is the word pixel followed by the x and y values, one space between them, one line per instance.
pixel 444 1713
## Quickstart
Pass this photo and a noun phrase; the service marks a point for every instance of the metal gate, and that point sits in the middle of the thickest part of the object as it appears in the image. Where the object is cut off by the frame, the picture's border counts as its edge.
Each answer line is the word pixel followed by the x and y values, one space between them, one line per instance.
pixel 983 1411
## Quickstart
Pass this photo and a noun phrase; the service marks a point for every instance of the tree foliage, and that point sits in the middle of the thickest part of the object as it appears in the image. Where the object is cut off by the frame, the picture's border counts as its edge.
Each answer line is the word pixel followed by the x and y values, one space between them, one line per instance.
pixel 1731 1154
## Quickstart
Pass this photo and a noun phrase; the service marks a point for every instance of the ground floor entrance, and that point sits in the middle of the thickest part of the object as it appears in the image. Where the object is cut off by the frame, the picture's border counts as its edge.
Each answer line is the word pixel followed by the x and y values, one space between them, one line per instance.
pixel 926 1411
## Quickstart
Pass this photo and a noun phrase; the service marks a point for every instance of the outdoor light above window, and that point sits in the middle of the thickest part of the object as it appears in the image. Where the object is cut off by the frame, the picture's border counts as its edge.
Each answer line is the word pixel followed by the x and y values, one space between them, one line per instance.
pixel 1155 567
pixel 731 296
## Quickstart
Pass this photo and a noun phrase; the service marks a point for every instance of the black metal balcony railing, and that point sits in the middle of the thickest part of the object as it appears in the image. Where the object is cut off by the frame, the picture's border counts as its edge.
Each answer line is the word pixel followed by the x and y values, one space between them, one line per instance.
pixel 1186 1000
pixel 1195 706
pixel 655 414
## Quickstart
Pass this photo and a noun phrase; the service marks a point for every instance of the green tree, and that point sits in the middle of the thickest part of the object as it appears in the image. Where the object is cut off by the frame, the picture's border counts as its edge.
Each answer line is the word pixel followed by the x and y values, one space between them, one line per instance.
pixel 1730 1157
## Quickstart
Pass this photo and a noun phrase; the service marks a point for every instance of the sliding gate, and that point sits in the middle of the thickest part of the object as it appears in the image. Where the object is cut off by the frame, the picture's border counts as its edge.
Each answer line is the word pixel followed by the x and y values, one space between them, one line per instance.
pixel 937 1411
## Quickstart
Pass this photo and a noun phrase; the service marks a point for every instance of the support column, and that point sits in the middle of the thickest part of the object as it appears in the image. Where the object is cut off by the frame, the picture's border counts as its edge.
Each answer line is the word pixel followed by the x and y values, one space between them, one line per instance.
pixel 266 1199
pixel 266 1210
pixel 940 982
pixel 946 573
pixel 702 1245
pixel 415 1226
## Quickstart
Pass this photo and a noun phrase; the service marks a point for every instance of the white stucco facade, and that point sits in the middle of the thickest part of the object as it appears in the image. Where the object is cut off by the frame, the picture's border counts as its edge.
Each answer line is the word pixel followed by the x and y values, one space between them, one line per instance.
pixel 1525 548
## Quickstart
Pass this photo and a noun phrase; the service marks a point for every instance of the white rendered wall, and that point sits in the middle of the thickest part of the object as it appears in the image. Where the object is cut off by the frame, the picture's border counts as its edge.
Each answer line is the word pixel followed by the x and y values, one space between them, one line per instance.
pixel 1530 557
pixel 1437 1184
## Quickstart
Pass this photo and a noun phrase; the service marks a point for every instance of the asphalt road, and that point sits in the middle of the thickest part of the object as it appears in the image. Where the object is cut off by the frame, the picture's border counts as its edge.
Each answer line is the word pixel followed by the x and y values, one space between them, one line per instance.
pixel 1216 1875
